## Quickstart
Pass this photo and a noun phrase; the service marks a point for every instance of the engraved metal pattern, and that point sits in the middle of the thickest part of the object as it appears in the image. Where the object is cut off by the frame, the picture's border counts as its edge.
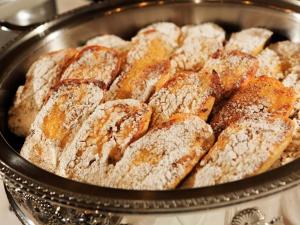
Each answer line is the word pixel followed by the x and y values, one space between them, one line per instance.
pixel 253 216
pixel 250 216
pixel 48 213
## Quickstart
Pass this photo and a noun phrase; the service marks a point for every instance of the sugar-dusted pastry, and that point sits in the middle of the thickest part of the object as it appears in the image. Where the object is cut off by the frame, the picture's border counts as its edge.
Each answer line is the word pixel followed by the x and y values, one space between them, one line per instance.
pixel 30 97
pixel 102 139
pixel 186 92
pixel 199 42
pixel 245 148
pixel 233 69
pixel 269 64
pixel 292 152
pixel 289 53
pixel 164 156
pixel 95 63
pixel 110 41
pixel 168 30
pixel 251 40
pixel 59 120
pixel 146 66
pixel 262 95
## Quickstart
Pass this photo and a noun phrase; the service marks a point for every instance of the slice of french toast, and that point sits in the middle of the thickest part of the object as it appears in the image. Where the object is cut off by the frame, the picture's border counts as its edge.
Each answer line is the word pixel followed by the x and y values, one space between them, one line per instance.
pixel 262 95
pixel 245 148
pixel 102 139
pixel 30 97
pixel 164 156
pixel 59 120
pixel 251 40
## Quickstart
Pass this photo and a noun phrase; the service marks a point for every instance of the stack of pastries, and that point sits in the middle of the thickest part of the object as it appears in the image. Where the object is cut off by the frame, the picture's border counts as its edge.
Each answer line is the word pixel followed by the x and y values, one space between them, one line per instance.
pixel 173 107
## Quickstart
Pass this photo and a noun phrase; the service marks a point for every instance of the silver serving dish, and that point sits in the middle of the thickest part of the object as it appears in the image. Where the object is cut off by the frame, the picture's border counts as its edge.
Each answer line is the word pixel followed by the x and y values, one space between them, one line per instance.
pixel 51 199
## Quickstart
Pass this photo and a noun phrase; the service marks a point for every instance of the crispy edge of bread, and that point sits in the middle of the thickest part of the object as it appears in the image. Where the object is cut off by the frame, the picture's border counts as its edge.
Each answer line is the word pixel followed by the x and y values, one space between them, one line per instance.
pixel 252 99
pixel 25 106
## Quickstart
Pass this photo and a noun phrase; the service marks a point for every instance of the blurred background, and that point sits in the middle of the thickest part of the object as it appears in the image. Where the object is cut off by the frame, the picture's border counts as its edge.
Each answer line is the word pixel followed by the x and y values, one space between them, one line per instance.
pixel 16 15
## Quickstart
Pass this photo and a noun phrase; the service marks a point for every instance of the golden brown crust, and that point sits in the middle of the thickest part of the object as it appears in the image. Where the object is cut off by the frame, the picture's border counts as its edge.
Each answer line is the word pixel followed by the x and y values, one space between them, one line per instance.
pixel 262 95
pixel 245 148
pixel 58 121
pixel 251 40
pixel 147 64
pixel 96 63
pixel 29 99
pixel 289 54
pixel 102 139
pixel 186 92
pixel 164 156
pixel 234 69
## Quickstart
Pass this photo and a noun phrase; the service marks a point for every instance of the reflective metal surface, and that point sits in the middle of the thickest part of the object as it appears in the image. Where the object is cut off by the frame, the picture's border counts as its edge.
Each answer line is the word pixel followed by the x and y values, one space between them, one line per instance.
pixel 124 19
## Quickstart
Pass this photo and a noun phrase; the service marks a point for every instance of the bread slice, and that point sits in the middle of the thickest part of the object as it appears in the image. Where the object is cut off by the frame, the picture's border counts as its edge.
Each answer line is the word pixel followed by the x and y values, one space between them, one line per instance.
pixel 186 92
pixel 59 120
pixel 292 152
pixel 169 31
pixel 30 97
pixel 289 53
pixel 269 64
pixel 262 95
pixel 164 156
pixel 251 40
pixel 110 41
pixel 146 65
pixel 199 42
pixel 102 139
pixel 95 63
pixel 245 148
pixel 233 69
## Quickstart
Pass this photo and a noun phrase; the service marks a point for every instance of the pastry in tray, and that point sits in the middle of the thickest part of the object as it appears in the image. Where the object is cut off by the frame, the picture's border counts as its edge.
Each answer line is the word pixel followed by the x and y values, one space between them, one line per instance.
pixel 97 63
pixel 198 43
pixel 187 92
pixel 292 152
pixel 233 68
pixel 144 113
pixel 261 95
pixel 147 65
pixel 251 40
pixel 245 148
pixel 289 53
pixel 110 41
pixel 164 156
pixel 269 64
pixel 102 139
pixel 59 120
pixel 30 97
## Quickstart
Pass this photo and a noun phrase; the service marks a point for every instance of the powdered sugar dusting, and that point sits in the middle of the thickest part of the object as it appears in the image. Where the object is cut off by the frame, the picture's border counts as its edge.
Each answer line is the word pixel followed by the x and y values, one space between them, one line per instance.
pixel 269 64
pixel 185 93
pixel 242 150
pixel 102 139
pixel 251 40
pixel 143 69
pixel 199 43
pixel 167 30
pixel 110 41
pixel 161 158
pixel 292 152
pixel 42 74
pixel 58 121
pixel 95 63
pixel 289 53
